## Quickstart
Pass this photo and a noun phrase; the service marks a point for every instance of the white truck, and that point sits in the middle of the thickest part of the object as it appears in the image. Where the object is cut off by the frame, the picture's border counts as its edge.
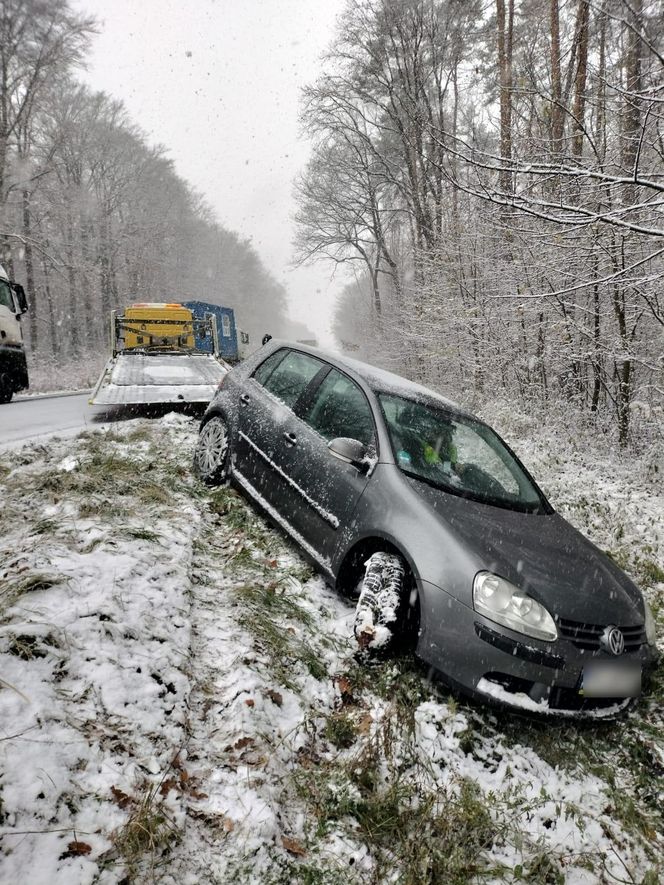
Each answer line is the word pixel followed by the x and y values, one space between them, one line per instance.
pixel 13 365
pixel 155 358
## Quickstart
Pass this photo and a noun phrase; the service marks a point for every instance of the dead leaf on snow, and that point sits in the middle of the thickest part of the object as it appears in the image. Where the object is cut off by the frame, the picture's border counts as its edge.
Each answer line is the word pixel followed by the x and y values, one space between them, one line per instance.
pixel 344 684
pixel 275 697
pixel 167 786
pixel 120 798
pixel 254 759
pixel 364 725
pixel 293 846
pixel 76 849
pixel 250 702
pixel 241 743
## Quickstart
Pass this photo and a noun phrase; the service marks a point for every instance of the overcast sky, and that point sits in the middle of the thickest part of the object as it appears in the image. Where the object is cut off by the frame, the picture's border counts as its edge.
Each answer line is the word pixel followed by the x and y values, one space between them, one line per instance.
pixel 218 83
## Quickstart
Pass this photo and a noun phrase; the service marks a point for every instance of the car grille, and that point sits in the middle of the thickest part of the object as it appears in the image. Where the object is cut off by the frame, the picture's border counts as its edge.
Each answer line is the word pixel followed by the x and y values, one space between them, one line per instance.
pixel 587 636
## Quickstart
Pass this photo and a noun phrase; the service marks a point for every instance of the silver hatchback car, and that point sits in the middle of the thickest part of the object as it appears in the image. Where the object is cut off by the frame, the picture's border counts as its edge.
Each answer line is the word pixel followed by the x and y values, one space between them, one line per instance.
pixel 402 497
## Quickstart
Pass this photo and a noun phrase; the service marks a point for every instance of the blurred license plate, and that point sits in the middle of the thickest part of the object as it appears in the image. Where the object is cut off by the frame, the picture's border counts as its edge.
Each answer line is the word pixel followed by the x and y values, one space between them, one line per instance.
pixel 604 680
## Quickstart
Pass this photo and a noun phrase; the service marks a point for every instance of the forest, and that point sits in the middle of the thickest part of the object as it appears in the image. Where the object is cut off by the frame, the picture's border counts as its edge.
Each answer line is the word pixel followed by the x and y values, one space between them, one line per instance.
pixel 492 174
pixel 92 216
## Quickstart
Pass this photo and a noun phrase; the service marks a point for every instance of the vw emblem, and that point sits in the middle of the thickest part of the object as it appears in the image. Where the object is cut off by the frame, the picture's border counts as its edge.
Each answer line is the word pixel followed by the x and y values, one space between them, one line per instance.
pixel 612 640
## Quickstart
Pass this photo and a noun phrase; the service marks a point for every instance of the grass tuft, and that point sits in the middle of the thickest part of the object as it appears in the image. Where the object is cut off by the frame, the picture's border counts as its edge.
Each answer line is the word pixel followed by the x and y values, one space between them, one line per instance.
pixel 281 627
pixel 13 588
pixel 148 832
pixel 341 730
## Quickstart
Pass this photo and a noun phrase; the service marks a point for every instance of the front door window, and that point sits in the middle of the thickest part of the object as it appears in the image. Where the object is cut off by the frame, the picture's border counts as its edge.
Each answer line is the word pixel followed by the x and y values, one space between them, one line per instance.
pixel 339 408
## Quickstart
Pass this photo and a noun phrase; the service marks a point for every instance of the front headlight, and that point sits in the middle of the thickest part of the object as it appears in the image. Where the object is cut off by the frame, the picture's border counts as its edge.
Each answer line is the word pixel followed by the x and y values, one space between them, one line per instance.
pixel 500 601
pixel 651 629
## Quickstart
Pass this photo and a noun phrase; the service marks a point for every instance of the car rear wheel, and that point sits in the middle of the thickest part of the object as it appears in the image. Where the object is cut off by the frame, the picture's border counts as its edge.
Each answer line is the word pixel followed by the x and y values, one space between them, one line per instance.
pixel 383 616
pixel 211 455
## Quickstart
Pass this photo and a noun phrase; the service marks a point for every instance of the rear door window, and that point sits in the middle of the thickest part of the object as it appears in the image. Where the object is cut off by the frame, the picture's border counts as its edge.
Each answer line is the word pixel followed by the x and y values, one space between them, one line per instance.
pixel 289 376
pixel 339 408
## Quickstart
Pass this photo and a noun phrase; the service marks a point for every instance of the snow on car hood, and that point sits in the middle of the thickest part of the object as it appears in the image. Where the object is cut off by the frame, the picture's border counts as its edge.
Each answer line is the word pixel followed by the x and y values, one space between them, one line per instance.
pixel 544 555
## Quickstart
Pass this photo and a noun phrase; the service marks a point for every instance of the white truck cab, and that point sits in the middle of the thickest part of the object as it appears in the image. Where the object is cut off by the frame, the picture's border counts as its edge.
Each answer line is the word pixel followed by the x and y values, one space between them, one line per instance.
pixel 13 366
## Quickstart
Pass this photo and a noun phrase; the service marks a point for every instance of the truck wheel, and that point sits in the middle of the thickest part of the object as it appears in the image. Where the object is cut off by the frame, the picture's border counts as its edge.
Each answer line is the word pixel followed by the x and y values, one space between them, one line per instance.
pixel 6 391
pixel 211 455
pixel 381 614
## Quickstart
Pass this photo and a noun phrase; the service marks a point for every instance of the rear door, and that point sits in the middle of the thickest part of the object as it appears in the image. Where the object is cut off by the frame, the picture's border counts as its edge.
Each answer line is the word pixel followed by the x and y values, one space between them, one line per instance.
pixel 266 421
pixel 323 491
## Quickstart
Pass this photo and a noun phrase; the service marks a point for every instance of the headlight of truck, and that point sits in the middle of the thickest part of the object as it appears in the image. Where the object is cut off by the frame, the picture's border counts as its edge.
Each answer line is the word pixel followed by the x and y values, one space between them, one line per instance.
pixel 651 629
pixel 502 602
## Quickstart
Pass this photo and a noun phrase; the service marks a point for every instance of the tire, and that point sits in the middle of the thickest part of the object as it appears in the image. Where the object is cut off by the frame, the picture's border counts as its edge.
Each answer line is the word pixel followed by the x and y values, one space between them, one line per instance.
pixel 382 610
pixel 6 392
pixel 211 455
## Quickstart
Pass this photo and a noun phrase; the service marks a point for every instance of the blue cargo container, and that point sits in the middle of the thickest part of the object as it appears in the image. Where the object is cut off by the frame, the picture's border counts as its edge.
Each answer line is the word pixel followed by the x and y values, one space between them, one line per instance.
pixel 225 329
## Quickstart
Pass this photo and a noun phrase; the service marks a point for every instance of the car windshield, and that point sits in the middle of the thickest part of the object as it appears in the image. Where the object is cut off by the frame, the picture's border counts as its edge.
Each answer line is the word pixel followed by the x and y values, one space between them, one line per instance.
pixel 457 454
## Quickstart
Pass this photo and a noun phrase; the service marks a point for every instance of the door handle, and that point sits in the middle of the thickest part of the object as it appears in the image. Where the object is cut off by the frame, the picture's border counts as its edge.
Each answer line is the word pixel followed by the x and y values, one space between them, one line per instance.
pixel 244 399
pixel 290 438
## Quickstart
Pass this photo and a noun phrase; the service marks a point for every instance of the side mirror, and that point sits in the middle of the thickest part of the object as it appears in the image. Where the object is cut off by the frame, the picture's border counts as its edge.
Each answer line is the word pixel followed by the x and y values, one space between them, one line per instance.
pixel 352 451
pixel 19 291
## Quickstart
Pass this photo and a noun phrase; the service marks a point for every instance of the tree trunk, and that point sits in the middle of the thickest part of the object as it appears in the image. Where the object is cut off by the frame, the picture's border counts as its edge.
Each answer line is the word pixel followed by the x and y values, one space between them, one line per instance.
pixel 56 340
pixel 578 110
pixel 557 118
pixel 73 318
pixel 29 271
pixel 505 23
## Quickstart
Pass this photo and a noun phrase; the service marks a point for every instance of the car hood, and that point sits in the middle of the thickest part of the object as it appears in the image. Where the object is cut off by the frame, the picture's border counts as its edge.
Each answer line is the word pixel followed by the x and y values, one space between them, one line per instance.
pixel 542 554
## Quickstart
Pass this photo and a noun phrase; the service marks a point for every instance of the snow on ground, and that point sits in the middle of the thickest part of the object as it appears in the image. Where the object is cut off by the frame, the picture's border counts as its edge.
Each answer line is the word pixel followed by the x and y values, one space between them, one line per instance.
pixel 181 699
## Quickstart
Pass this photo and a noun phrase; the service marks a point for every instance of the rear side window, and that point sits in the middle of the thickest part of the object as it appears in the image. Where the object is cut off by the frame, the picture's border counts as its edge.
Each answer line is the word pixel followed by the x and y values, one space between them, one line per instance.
pixel 339 408
pixel 288 376
pixel 265 369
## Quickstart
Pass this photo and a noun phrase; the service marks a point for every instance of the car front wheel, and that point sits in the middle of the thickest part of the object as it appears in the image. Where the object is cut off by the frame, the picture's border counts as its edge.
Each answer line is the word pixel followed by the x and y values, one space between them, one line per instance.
pixel 382 607
pixel 211 455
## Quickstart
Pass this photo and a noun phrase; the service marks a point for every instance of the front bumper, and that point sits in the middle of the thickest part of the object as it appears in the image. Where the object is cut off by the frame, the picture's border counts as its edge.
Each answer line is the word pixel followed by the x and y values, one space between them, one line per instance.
pixel 507 668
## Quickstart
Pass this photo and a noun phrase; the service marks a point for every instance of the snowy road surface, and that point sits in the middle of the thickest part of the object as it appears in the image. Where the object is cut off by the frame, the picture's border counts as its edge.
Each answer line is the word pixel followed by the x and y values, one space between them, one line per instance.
pixel 26 419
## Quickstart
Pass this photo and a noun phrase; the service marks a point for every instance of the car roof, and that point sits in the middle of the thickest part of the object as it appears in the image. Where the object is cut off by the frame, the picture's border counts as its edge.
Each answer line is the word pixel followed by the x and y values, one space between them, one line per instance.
pixel 380 380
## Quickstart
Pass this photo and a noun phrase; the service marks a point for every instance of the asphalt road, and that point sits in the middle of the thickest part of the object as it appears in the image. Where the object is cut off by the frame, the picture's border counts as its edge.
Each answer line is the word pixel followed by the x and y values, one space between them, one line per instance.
pixel 31 418
pixel 28 418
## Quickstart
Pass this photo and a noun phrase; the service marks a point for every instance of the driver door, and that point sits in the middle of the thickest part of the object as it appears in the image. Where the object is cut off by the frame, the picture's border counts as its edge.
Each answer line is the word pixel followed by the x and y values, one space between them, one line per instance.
pixel 323 491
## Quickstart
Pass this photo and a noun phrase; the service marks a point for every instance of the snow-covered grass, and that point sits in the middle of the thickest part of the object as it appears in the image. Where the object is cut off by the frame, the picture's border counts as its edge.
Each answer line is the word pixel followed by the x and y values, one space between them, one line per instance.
pixel 181 699
pixel 48 375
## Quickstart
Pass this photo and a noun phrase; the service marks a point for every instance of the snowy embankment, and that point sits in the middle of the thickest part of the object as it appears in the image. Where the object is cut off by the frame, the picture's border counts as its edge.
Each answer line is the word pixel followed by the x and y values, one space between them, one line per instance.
pixel 181 701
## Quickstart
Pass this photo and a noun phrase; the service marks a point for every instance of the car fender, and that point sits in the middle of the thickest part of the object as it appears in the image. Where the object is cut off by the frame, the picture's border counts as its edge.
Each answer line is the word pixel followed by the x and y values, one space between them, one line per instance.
pixel 434 550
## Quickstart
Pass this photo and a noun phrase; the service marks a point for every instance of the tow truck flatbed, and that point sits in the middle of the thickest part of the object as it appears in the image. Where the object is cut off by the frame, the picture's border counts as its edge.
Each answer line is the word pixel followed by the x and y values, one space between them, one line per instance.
pixel 158 378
